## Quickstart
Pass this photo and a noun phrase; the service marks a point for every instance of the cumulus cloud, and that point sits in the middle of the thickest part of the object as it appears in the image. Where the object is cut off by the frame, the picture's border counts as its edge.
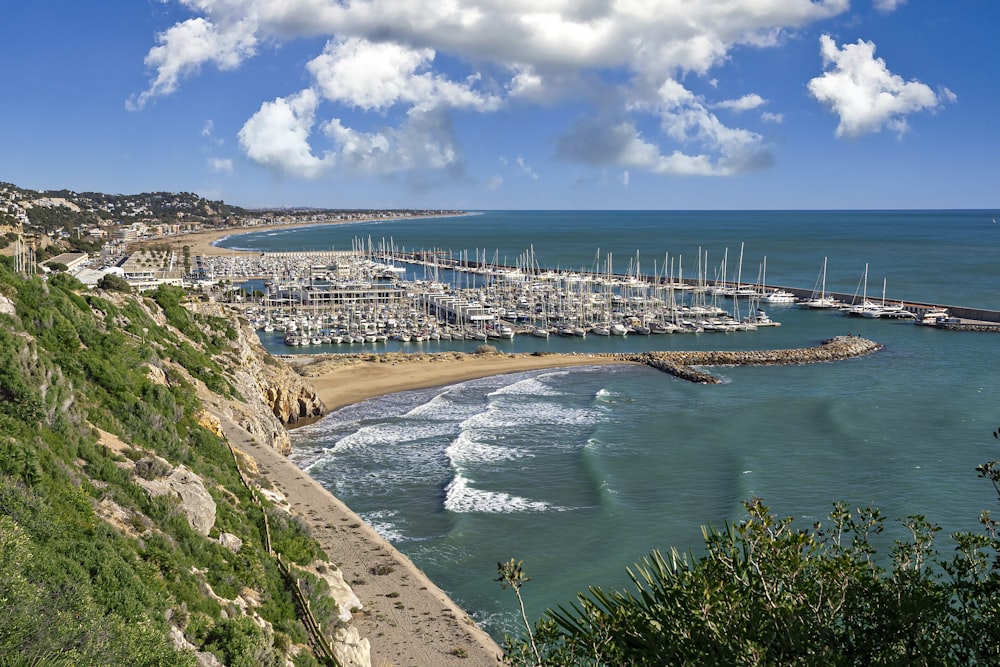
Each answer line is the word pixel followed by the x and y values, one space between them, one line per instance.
pixel 425 139
pixel 412 66
pixel 376 76
pixel 186 46
pixel 277 136
pixel 864 94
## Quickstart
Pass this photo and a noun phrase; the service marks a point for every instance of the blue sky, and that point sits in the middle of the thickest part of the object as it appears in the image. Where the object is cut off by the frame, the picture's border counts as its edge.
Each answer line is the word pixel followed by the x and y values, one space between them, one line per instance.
pixel 508 104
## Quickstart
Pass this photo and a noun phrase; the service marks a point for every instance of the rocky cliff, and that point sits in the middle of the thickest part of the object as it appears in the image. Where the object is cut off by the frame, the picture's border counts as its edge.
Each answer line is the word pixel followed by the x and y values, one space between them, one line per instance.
pixel 275 395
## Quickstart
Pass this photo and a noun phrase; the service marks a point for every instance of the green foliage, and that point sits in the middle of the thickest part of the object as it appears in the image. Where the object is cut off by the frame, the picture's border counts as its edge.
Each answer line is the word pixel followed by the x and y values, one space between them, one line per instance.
pixel 114 283
pixel 65 281
pixel 767 593
pixel 291 538
pixel 241 643
pixel 73 587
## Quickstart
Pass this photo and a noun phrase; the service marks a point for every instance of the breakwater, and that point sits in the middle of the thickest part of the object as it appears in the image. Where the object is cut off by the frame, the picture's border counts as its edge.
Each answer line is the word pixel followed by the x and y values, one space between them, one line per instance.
pixel 684 365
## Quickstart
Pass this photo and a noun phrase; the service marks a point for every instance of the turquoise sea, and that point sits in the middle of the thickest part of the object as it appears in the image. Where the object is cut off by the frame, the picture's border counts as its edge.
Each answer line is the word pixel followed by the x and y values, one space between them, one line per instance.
pixel 583 472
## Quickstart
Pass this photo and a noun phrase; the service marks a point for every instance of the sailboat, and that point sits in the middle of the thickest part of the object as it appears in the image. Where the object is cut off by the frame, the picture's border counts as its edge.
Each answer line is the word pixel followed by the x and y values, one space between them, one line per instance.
pixel 776 295
pixel 866 308
pixel 819 298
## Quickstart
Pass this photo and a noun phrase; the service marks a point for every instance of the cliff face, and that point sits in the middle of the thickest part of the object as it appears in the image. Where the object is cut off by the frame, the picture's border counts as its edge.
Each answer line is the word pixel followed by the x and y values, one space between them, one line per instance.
pixel 276 396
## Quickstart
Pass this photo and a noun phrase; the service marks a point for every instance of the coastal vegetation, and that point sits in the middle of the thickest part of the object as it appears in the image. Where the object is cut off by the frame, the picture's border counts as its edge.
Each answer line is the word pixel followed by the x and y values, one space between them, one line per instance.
pixel 101 401
pixel 765 592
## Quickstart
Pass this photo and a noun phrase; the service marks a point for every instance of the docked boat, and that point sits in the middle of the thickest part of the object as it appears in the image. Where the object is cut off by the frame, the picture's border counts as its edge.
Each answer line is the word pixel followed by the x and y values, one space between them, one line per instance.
pixel 819 298
pixel 932 317
pixel 777 296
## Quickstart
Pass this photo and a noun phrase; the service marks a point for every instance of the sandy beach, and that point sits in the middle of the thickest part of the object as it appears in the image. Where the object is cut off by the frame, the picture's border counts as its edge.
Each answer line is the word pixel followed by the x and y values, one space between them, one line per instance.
pixel 407 619
pixel 346 379
pixel 200 243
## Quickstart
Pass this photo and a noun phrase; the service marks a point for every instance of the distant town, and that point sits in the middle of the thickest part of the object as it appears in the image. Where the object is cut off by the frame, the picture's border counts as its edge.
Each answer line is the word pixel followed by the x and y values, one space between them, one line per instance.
pixel 89 234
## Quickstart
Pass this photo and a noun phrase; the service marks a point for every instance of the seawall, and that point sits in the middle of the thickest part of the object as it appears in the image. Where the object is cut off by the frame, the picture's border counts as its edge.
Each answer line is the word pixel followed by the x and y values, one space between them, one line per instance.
pixel 684 365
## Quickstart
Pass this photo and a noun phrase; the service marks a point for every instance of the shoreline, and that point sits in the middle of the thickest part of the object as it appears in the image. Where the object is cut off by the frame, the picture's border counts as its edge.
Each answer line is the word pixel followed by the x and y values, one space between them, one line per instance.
pixel 342 380
pixel 204 242
pixel 345 379
pixel 404 616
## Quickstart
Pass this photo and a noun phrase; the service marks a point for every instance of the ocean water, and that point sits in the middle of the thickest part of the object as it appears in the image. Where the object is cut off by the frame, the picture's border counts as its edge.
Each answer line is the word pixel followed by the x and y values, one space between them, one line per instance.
pixel 583 472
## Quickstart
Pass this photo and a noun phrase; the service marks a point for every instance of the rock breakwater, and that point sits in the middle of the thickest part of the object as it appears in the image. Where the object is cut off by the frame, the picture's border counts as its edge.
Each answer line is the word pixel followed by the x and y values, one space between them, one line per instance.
pixel 684 365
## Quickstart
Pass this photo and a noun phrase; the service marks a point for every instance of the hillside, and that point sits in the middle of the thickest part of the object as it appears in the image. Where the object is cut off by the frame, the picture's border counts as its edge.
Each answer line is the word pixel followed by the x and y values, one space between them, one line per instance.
pixel 131 532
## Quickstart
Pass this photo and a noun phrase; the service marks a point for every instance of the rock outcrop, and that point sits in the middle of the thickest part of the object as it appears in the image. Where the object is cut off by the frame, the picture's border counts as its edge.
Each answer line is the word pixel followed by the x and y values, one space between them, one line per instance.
pixel 274 395
pixel 194 500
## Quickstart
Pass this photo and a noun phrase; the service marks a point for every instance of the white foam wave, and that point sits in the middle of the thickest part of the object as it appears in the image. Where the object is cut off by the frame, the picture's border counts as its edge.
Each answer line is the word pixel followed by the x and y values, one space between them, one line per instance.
pixel 607 396
pixel 530 387
pixel 391 434
pixel 443 407
pixel 466 450
pixel 508 415
pixel 381 521
pixel 461 497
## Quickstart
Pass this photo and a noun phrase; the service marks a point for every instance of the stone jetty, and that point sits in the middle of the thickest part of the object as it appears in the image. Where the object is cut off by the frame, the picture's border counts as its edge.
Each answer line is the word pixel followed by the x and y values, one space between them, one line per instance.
pixel 684 365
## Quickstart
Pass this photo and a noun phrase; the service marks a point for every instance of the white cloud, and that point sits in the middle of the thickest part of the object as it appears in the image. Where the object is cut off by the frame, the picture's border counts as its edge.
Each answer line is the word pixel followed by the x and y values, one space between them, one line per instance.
pixel 222 166
pixel 376 76
pixel 599 143
pixel 745 103
pixel 865 95
pixel 277 136
pixel 775 118
pixel 186 46
pixel 423 60
pixel 625 178
pixel 208 128
pixel 888 6
pixel 525 169
pixel 425 140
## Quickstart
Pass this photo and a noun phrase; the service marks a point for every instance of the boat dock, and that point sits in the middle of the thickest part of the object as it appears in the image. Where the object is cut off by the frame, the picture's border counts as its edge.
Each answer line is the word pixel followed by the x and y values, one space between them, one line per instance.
pixel 360 296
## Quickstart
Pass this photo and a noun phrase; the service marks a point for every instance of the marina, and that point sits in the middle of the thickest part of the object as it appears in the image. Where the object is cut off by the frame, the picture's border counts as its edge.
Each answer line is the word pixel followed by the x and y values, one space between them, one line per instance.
pixel 369 297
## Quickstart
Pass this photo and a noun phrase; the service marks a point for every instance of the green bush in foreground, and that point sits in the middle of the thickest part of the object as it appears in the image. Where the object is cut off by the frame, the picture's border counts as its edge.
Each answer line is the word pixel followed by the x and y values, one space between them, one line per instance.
pixel 767 593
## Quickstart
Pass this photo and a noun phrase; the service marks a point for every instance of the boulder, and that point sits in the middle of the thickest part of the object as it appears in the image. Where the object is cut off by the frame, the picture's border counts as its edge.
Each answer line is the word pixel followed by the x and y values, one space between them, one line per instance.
pixel 196 502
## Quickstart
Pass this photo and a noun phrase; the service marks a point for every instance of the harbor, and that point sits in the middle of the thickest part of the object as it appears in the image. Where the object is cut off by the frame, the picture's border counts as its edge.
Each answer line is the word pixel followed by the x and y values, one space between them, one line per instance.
pixel 371 296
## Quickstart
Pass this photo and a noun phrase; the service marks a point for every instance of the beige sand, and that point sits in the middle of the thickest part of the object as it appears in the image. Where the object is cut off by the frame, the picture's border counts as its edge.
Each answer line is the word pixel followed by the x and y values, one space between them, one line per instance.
pixel 407 619
pixel 344 379
pixel 200 243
